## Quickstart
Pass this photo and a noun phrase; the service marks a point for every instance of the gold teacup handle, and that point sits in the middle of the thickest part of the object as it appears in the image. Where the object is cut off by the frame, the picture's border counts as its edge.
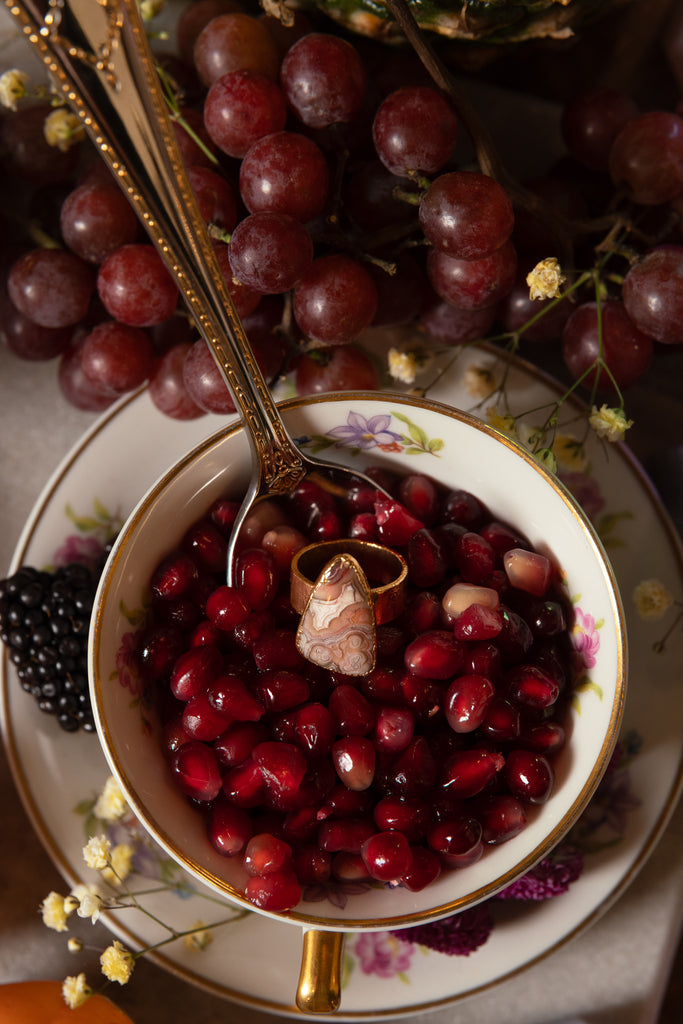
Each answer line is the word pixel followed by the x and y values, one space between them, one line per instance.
pixel 319 989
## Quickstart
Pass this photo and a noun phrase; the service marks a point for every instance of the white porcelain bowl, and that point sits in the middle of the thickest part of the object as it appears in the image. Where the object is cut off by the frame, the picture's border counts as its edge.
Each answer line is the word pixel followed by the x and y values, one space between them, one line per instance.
pixel 468 455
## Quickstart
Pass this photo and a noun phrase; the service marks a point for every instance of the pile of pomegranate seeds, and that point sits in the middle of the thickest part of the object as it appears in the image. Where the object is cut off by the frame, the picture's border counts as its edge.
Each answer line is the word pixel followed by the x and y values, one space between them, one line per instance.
pixel 313 777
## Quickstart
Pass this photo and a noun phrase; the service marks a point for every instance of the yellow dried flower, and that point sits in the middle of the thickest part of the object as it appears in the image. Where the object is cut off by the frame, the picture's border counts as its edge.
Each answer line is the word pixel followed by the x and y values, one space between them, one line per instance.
pixel 74 945
pixel 89 901
pixel 200 938
pixel 120 864
pixel 12 87
pixel 75 991
pixel 54 912
pixel 117 963
pixel 501 421
pixel 63 129
pixel 480 381
pixel 547 458
pixel 652 599
pixel 111 804
pixel 569 452
pixel 545 279
pixel 96 852
pixel 150 8
pixel 610 424
pixel 402 366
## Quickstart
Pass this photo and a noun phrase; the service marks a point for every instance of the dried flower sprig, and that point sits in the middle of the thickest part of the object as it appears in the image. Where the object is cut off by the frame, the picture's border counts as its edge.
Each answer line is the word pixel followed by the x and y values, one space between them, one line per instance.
pixel 88 901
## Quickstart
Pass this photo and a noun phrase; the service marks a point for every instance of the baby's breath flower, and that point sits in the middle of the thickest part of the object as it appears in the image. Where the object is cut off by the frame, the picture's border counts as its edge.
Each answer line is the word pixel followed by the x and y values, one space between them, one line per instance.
pixel 610 424
pixel 501 421
pixel 54 912
pixel 89 902
pixel 117 963
pixel 200 938
pixel 652 599
pixel 74 945
pixel 402 366
pixel 111 803
pixel 120 864
pixel 75 991
pixel 96 852
pixel 150 8
pixel 545 279
pixel 63 129
pixel 569 452
pixel 547 458
pixel 480 381
pixel 12 87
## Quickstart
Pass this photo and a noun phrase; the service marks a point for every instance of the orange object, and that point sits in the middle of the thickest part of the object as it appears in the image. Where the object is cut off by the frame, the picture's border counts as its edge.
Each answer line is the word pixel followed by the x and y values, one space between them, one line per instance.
pixel 41 1002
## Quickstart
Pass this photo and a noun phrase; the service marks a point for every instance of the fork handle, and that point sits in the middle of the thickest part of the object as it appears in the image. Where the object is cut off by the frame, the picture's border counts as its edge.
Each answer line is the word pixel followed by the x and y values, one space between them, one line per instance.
pixel 97 54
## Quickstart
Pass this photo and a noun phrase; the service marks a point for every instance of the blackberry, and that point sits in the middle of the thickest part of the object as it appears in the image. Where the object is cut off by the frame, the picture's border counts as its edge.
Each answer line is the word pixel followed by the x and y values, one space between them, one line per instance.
pixel 44 621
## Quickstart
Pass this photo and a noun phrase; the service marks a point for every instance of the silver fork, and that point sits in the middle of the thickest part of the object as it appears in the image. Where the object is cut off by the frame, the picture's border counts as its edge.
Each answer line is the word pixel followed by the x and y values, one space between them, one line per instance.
pixel 98 56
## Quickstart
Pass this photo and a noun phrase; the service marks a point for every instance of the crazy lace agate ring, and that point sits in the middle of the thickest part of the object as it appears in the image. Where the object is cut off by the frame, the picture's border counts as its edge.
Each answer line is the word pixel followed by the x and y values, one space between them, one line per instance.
pixel 343 590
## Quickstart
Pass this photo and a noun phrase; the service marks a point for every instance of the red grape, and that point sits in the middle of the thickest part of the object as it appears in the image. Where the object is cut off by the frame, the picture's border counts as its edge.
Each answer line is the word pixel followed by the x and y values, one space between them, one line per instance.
pixel 52 287
pixel 473 284
pixel 117 357
pixel 626 351
pixel 591 121
pixel 285 173
pixel 270 252
pixel 335 300
pixel 653 294
pixel 95 220
pixel 242 107
pixel 235 42
pixel 414 130
pixel 323 79
pixel 167 388
pixel 466 215
pixel 647 157
pixel 135 287
pixel 335 368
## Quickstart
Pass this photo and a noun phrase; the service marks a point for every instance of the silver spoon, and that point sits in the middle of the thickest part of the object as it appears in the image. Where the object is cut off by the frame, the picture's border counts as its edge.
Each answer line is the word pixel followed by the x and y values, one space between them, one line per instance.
pixel 98 57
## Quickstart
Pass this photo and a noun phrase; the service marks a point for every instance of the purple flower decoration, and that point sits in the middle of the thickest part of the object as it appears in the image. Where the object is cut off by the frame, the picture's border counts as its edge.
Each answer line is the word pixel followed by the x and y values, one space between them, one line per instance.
pixel 458 935
pixel 383 953
pixel 126 665
pixel 360 432
pixel 551 877
pixel 85 550
pixel 585 638
pixel 587 492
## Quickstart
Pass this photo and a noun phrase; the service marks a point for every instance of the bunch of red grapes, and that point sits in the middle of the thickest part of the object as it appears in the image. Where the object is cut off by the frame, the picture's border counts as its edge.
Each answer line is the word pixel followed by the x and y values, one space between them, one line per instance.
pixel 325 169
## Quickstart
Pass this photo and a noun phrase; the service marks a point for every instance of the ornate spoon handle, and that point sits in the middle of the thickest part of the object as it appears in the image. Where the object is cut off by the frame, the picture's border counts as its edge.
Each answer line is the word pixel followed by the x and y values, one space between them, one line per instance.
pixel 98 56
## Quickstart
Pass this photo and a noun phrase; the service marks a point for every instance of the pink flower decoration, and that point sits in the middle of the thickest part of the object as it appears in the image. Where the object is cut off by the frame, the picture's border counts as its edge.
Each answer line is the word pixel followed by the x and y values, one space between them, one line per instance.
pixel 383 954
pixel 585 638
pixel 84 550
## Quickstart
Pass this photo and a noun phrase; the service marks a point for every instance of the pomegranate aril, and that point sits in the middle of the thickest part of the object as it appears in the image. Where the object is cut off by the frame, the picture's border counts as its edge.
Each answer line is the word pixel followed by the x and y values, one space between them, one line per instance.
pixel 543 737
pixel 483 659
pixel 265 854
pixel 528 570
pixel 208 545
pixel 342 802
pixel 353 714
pixel 426 560
pixel 475 558
pixel 502 721
pixel 226 608
pixel 466 702
pixel 515 638
pixel 532 687
pixel 160 646
pixel 467 772
pixel 282 765
pixel 282 543
pixel 277 649
pixel 420 495
pixel 457 840
pixel 413 772
pixel 387 856
pixel 201 720
pixel 181 612
pixel 424 613
pixel 244 785
pixel 232 698
pixel 255 625
pixel 461 596
pixel 546 618
pixel 501 817
pixel 420 695
pixel 229 827
pixel 394 729
pixel 382 685
pixel 173 576
pixel 345 835
pixel 277 893
pixel 311 865
pixel 529 775
pixel 363 526
pixel 313 728
pixel 300 826
pixel 236 743
pixel 502 538
pixel 425 869
pixel 434 655
pixel 349 867
pixel 280 689
pixel 463 508
pixel 395 524
pixel 409 815
pixel 354 761
pixel 195 770
pixel 477 623
pixel 194 670
pixel 264 516
pixel 257 577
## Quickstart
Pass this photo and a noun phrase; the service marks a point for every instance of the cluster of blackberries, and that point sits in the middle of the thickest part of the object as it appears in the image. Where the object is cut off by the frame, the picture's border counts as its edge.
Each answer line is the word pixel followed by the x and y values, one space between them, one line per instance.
pixel 44 623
